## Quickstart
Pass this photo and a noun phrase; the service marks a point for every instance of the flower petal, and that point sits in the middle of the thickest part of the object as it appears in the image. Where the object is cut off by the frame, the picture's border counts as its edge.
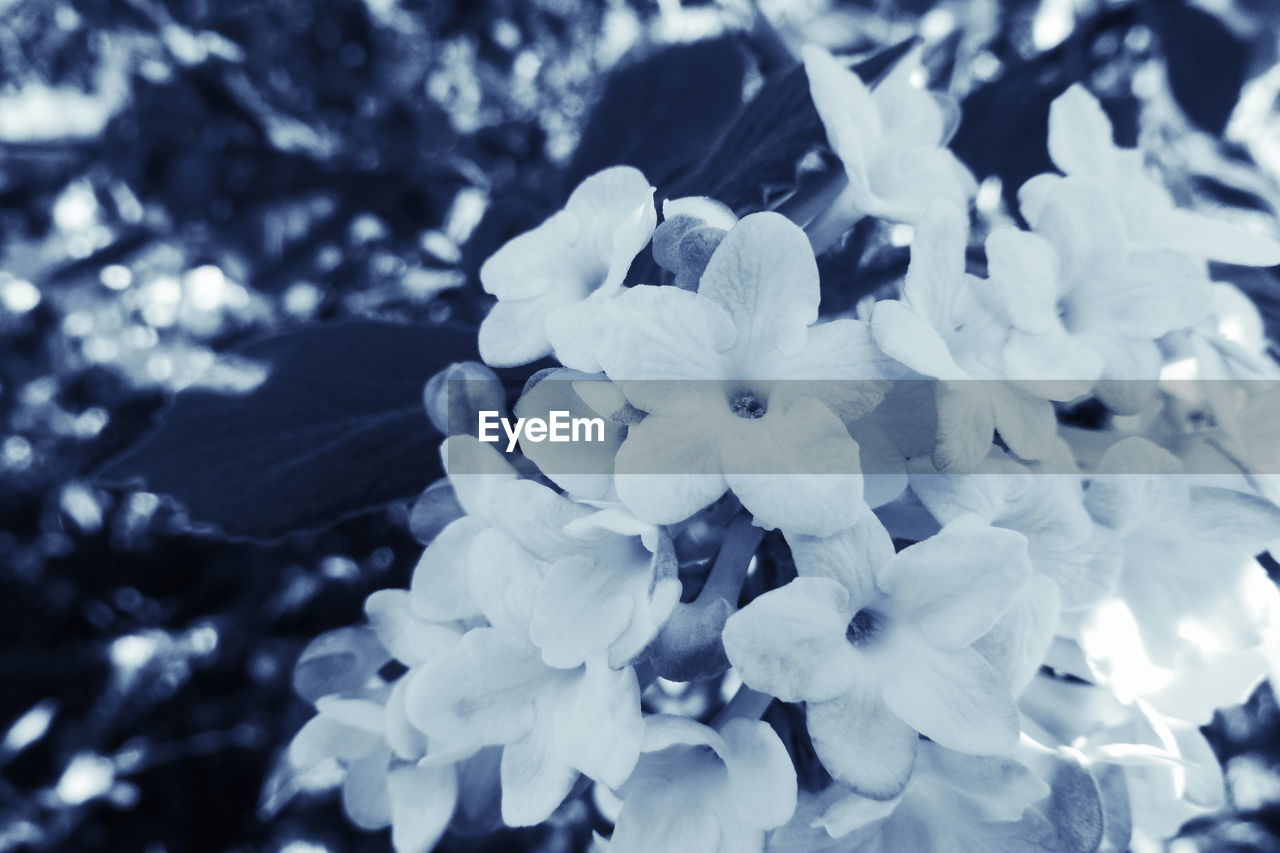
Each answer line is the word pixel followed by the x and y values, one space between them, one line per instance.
pixel 581 609
pixel 1133 482
pixel 1015 646
pixel 1028 425
pixel 536 517
pixel 1195 234
pixel 535 780
pixel 669 468
pixel 665 807
pixel 797 470
pixel 651 332
pixel 955 585
pixel 483 691
pixel 908 337
pixel 503 579
pixel 848 113
pixel 515 332
pixel 862 743
pixel 338 661
pixel 322 738
pixel 966 426
pixel 1080 134
pixel 937 261
pixel 364 791
pixel 616 217
pixel 762 781
pixel 764 275
pixel 536 262
pixel 954 698
pixel 422 804
pixel 475 469
pixel 791 641
pixel 853 557
pixel 583 469
pixel 410 639
pixel 438 590
pixel 598 726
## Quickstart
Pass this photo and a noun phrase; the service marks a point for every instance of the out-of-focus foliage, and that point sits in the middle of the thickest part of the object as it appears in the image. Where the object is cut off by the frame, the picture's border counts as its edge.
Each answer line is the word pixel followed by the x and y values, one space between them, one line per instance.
pixel 179 178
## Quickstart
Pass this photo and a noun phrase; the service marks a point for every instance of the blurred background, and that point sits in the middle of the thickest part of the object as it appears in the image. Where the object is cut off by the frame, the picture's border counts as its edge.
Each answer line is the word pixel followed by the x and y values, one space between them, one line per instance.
pixel 178 177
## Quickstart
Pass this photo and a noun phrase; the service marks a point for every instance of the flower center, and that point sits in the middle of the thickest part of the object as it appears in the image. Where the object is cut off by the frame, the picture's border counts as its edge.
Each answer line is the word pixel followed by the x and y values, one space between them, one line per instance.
pixel 747 405
pixel 864 627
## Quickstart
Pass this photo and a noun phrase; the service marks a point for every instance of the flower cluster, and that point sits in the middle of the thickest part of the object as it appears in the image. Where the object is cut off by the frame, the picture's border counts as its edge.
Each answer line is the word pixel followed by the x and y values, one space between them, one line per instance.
pixel 832 583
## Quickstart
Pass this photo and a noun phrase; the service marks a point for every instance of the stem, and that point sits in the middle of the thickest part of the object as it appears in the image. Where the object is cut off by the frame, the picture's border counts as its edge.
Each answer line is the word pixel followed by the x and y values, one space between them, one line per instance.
pixel 826 229
pixel 730 569
pixel 746 703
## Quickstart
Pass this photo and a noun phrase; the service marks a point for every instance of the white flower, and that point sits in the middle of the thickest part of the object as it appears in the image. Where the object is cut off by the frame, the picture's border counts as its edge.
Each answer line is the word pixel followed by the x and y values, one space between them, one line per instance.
pixel 1190 598
pixel 581 254
pixel 583 469
pixel 494 689
pixel 703 790
pixel 890 140
pixel 761 421
pixel 879 646
pixel 500 507
pixel 390 776
pixel 582 579
pixel 1081 145
pixel 953 802
pixel 1063 542
pixel 1170 772
pixel 612 597
pixel 1084 281
pixel 946 327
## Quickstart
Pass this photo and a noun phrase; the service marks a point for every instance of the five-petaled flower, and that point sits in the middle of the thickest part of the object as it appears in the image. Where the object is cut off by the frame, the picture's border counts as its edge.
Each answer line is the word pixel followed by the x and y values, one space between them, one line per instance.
pixel 548 280
pixel 735 383
pixel 879 646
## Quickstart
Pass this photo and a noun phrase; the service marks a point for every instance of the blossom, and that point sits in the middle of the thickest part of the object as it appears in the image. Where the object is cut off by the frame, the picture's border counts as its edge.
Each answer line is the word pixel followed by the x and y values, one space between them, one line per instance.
pixel 389 774
pixel 498 506
pixel 493 688
pixel 1063 542
pixel 1084 281
pixel 591 577
pixel 696 788
pixel 879 646
pixel 726 377
pixel 1169 769
pixel 1081 145
pixel 612 597
pixel 581 254
pixel 952 802
pixel 946 326
pixel 1189 591
pixel 583 469
pixel 891 141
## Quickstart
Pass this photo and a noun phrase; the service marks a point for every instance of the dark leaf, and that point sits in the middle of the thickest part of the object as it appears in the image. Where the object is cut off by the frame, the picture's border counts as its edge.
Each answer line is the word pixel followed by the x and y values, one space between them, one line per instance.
pixel 658 113
pixel 1205 61
pixel 336 428
pixel 771 134
pixel 1004 125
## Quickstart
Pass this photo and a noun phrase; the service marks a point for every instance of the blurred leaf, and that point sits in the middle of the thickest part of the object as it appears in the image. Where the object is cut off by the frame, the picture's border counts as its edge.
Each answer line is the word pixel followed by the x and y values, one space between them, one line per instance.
pixel 1004 123
pixel 1205 61
pixel 337 427
pixel 659 113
